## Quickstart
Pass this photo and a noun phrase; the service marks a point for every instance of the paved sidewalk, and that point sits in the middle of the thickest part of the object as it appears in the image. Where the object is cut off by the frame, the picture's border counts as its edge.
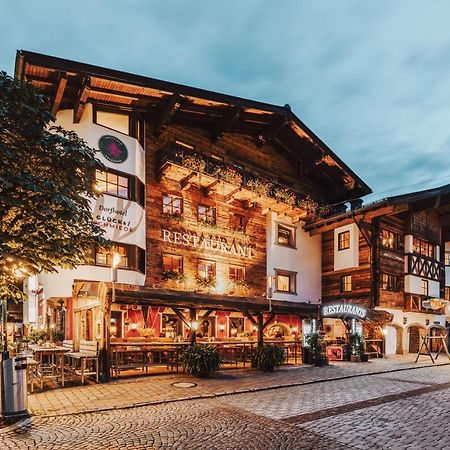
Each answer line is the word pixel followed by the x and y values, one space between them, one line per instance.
pixel 146 390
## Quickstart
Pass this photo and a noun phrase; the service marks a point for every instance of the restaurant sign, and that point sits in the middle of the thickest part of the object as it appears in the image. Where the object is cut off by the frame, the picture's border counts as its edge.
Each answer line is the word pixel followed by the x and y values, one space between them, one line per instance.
pixel 214 244
pixel 344 311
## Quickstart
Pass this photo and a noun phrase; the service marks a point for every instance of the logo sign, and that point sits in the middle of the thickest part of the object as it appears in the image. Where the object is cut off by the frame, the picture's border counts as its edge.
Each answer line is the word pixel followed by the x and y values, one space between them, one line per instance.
pixel 113 149
pixel 344 311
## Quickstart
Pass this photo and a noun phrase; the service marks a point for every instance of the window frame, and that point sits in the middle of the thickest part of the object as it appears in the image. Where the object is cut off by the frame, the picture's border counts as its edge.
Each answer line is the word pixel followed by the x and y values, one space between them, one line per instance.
pixel 239 268
pixel 207 261
pixel 425 287
pixel 340 243
pixel 346 283
pixel 208 208
pixel 179 269
pixel 136 257
pixel 135 188
pixel 424 248
pixel 172 197
pixel 395 235
pixel 292 281
pixel 447 293
pixel 392 283
pixel 446 257
pixel 291 238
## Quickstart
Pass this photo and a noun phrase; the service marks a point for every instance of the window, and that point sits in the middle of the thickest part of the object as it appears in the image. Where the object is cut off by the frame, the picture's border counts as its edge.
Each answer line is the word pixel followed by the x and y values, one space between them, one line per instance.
pixel 346 283
pixel 237 222
pixel 447 293
pixel 237 273
pixel 131 257
pixel 344 240
pixel 285 235
pixel 207 214
pixel 172 205
pixel 285 281
pixel 390 239
pixel 424 287
pixel 112 183
pixel 389 282
pixel 206 269
pixel 235 326
pixel 424 248
pixel 172 263
pixel 103 256
pixel 447 258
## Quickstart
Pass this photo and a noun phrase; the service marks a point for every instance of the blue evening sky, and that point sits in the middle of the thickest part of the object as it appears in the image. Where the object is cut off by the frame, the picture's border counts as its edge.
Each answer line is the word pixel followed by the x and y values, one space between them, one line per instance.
pixel 370 78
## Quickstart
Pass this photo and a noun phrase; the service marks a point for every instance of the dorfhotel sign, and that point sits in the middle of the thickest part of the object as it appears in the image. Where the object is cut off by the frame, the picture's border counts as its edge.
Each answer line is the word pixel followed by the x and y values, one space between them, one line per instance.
pixel 214 244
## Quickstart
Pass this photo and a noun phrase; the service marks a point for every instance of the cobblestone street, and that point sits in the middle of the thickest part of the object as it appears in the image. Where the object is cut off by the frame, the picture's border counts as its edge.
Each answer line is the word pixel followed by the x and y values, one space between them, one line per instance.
pixel 403 409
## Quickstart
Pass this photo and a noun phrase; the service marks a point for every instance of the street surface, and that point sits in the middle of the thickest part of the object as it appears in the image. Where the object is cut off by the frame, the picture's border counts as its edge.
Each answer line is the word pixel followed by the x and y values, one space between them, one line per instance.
pixel 408 409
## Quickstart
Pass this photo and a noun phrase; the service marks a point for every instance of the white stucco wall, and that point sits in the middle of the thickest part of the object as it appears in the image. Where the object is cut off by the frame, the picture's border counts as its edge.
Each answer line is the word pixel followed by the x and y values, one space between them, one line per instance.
pixel 305 259
pixel 344 259
pixel 413 285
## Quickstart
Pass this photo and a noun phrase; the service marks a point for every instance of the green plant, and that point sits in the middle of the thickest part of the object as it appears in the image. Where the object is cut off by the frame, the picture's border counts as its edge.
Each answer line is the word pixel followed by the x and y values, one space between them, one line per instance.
pixel 205 282
pixel 259 186
pixel 37 335
pixel 193 162
pixel 200 360
pixel 267 357
pixel 173 216
pixel 179 277
pixel 308 204
pixel 229 175
pixel 285 195
pixel 314 341
pixel 356 344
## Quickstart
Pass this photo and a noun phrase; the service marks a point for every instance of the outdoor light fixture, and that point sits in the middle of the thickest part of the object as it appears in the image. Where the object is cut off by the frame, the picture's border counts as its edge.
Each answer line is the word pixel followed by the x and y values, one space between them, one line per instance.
pixel 194 325
pixel 405 320
pixel 134 326
pixel 222 327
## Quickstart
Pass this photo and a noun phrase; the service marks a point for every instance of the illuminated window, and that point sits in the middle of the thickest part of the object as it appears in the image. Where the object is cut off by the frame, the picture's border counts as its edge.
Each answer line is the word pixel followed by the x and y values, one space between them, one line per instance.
pixel 344 240
pixel 389 239
pixel 207 214
pixel 447 258
pixel 111 183
pixel 447 293
pixel 285 235
pixel 206 269
pixel 424 248
pixel 172 263
pixel 172 205
pixel 237 273
pixel 285 281
pixel 424 287
pixel 103 257
pixel 237 222
pixel 389 282
pixel 346 283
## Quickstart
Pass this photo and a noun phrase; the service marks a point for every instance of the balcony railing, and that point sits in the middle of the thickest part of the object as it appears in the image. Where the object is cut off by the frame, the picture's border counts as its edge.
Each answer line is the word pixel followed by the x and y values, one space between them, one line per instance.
pixel 233 182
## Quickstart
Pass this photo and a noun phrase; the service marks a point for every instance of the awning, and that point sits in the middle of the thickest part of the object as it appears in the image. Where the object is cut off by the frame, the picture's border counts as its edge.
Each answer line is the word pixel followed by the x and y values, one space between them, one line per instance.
pixel 177 299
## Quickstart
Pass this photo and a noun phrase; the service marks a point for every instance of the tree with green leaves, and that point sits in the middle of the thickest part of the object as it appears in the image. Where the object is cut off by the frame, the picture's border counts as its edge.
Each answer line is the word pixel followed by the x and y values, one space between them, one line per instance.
pixel 47 181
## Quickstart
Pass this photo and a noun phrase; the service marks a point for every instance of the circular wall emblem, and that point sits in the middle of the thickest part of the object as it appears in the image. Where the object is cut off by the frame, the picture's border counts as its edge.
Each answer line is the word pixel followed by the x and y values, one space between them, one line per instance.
pixel 113 149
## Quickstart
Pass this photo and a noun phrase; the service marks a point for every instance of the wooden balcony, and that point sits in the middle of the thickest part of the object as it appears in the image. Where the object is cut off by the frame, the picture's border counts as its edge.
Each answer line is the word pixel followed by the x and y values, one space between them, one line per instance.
pixel 233 183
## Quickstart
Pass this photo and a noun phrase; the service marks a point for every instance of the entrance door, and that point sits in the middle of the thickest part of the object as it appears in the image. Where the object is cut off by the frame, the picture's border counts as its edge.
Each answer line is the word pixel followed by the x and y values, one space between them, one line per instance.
pixel 414 339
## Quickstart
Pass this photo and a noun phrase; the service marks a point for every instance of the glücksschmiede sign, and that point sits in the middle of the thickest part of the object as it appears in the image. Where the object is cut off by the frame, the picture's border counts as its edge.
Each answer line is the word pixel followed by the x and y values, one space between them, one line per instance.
pixel 113 149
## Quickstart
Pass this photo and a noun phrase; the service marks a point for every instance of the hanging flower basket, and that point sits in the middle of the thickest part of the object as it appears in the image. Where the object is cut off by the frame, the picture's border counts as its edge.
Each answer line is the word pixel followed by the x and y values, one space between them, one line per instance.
pixel 308 204
pixel 259 186
pixel 285 195
pixel 228 175
pixel 194 163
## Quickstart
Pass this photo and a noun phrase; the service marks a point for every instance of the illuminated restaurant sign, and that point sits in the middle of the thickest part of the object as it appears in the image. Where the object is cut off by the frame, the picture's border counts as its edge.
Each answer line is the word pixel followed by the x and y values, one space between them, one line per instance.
pixel 208 243
pixel 344 311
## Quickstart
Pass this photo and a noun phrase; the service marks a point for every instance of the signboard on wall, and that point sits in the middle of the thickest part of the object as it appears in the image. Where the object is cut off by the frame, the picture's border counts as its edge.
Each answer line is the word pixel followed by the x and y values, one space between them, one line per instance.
pixel 344 311
pixel 113 149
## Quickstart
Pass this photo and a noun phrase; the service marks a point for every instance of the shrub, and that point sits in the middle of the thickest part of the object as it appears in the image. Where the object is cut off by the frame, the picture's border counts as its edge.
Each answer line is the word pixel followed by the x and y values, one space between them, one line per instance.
pixel 201 360
pixel 314 341
pixel 268 357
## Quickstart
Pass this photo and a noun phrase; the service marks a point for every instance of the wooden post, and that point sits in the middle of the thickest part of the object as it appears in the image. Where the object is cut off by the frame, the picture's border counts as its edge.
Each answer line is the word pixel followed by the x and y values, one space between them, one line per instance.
pixel 105 352
pixel 260 329
pixel 193 318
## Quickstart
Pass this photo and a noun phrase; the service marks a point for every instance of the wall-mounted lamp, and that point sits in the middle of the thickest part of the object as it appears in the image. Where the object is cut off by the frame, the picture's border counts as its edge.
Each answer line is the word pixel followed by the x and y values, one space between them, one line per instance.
pixel 222 327
pixel 405 320
pixel 134 326
pixel 194 325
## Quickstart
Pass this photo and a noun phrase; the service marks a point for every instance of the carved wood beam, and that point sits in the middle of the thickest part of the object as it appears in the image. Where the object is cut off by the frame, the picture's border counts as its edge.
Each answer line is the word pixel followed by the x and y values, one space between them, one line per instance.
pixel 82 97
pixel 206 315
pixel 364 229
pixel 278 123
pixel 186 182
pixel 230 197
pixel 210 188
pixel 225 123
pixel 251 318
pixel 59 91
pixel 182 317
pixel 166 112
pixel 270 318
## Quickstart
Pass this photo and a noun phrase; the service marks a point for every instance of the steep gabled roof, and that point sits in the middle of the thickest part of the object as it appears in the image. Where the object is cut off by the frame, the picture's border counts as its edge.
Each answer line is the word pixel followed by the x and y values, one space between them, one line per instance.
pixel 70 85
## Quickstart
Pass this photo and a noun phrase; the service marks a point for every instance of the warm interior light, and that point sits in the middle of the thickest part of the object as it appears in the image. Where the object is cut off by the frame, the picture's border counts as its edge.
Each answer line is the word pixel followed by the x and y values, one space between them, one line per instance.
pixel 294 329
pixel 19 272
pixel 222 327
pixel 116 260
pixel 134 326
pixel 194 325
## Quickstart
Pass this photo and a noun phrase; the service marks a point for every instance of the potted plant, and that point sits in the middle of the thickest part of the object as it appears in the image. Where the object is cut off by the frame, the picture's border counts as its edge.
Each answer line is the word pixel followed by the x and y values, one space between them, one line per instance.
pixel 267 357
pixel 356 346
pixel 200 360
pixel 314 341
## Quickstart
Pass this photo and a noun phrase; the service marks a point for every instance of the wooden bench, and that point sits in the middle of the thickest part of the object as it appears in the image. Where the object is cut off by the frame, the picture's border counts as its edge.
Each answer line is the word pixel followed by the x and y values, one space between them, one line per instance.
pixel 85 362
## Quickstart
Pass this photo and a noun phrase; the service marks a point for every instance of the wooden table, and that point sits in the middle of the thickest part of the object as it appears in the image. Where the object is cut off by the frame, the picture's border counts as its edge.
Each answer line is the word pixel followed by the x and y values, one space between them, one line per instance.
pixel 50 362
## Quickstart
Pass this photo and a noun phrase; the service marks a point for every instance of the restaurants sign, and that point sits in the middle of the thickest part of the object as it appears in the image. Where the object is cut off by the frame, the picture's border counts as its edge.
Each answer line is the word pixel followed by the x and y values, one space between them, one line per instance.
pixel 344 311
pixel 214 244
